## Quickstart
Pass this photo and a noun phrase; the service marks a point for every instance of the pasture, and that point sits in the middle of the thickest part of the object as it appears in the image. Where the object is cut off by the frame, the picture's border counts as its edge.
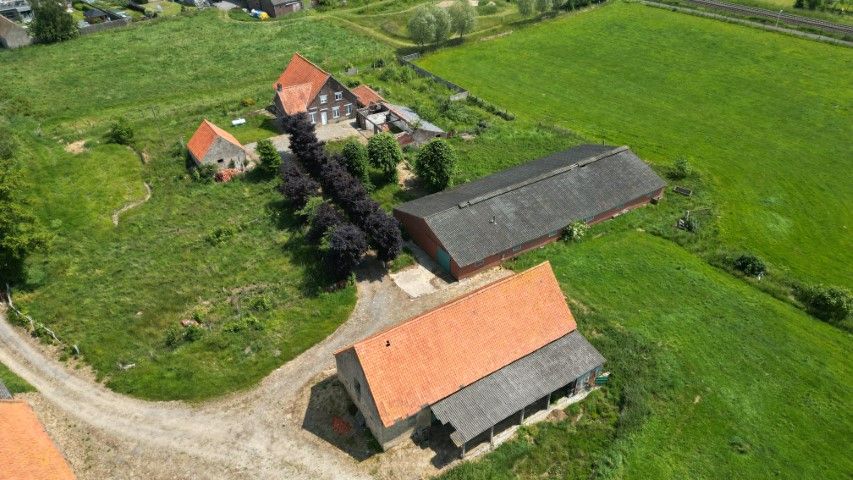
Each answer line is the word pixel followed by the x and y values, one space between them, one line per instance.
pixel 765 118
pixel 714 379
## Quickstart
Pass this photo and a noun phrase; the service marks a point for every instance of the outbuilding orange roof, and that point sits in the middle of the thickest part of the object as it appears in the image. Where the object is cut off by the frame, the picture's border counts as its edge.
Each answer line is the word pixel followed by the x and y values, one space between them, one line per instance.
pixel 204 137
pixel 26 451
pixel 299 83
pixel 431 356
pixel 367 95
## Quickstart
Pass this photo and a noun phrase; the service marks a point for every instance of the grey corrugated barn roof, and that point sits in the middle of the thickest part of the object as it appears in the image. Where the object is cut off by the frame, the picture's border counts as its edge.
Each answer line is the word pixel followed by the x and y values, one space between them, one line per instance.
pixel 484 403
pixel 521 204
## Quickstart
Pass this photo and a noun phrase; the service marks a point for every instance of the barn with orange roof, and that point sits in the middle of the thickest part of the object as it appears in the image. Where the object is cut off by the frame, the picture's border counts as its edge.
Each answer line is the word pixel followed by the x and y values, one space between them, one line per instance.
pixel 459 370
pixel 211 145
pixel 26 450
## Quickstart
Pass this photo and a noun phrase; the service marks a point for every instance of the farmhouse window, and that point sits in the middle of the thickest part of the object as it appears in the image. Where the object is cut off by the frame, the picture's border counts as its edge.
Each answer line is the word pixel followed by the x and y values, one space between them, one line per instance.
pixel 324 99
pixel 339 96
pixel 313 116
pixel 348 108
pixel 336 112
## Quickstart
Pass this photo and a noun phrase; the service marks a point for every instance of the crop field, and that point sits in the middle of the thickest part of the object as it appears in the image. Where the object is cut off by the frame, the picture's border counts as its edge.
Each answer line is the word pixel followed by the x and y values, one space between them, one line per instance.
pixel 765 118
pixel 731 382
pixel 223 255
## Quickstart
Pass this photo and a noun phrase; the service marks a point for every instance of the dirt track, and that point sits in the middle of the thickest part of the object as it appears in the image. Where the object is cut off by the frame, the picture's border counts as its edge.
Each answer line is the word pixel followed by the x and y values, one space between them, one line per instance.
pixel 252 434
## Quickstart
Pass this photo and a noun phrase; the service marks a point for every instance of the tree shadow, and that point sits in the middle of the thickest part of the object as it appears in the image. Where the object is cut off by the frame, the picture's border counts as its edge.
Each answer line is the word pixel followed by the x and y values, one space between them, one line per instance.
pixel 333 417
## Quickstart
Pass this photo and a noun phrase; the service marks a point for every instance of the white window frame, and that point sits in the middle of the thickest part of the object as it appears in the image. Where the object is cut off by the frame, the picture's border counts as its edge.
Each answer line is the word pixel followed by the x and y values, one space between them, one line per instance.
pixel 324 99
pixel 313 116
pixel 336 112
pixel 339 96
pixel 348 109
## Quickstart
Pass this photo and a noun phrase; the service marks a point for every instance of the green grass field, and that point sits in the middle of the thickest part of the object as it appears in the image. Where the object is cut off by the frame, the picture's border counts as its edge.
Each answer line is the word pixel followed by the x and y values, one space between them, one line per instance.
pixel 225 255
pixel 741 385
pixel 765 117
pixel 13 382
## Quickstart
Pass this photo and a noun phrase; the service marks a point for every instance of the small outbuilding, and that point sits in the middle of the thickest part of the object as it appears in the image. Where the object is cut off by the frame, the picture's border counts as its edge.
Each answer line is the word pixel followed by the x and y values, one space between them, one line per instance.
pixel 479 224
pixel 211 145
pixel 276 8
pixel 484 359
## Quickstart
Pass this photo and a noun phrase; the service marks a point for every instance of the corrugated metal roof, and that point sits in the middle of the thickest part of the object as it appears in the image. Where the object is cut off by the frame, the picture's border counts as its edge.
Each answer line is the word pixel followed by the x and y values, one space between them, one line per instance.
pixel 5 394
pixel 477 407
pixel 518 205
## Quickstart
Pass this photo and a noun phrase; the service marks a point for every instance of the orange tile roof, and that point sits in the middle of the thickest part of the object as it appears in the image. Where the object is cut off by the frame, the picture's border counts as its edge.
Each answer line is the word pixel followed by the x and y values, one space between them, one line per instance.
pixel 431 356
pixel 301 73
pixel 26 451
pixel 204 137
pixel 367 95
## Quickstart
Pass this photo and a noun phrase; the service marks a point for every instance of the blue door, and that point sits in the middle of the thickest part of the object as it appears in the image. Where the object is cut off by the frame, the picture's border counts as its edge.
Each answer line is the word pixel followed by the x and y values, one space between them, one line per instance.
pixel 443 259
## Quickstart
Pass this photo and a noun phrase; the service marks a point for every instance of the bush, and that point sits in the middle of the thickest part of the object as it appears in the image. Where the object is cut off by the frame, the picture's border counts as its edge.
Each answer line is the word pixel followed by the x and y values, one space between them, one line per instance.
pixel 193 333
pixel 354 159
pixel 435 164
pixel 51 23
pixel 343 247
pixel 247 102
pixel 205 173
pixel 174 336
pixel 680 169
pixel 576 231
pixel 384 153
pixel 384 233
pixel 269 157
pixel 750 265
pixel 326 217
pixel 525 7
pixel 296 186
pixel 831 304
pixel 310 208
pixel 120 132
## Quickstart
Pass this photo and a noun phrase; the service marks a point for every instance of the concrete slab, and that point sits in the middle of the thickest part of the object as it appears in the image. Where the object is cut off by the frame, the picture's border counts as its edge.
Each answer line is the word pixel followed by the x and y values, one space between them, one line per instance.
pixel 325 133
pixel 422 278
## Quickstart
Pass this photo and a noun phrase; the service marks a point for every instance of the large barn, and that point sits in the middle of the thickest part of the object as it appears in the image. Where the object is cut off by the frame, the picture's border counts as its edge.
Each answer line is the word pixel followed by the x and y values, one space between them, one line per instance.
pixel 471 364
pixel 480 224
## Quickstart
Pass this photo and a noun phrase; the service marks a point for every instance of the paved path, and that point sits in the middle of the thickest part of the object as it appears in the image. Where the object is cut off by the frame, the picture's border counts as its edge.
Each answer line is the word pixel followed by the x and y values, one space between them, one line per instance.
pixel 253 434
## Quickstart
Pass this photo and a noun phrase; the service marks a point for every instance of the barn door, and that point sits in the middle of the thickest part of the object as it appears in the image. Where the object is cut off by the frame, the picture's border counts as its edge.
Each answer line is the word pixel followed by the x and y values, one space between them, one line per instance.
pixel 443 259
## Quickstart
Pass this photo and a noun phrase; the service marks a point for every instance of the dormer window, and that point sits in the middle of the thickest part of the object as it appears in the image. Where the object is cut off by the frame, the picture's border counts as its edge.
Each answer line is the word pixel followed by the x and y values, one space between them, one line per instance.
pixel 339 96
pixel 324 99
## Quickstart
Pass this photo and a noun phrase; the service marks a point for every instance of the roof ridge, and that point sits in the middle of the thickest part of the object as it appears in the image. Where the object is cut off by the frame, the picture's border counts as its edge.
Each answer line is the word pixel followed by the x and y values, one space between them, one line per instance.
pixel 449 303
pixel 539 178
pixel 310 62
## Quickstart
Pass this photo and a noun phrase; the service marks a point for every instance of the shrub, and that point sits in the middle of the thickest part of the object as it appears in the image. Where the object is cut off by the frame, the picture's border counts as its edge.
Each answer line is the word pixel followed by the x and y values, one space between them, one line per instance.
pixel 296 186
pixel 680 169
pixel 576 231
pixel 525 7
pixel 309 210
pixel 51 23
pixel 343 247
pixel 325 218
pixel 384 153
pixel 120 132
pixel 354 159
pixel 750 265
pixel 543 6
pixel 269 157
pixel 831 304
pixel 174 336
pixel 435 164
pixel 193 333
pixel 205 173
pixel 247 102
pixel 384 233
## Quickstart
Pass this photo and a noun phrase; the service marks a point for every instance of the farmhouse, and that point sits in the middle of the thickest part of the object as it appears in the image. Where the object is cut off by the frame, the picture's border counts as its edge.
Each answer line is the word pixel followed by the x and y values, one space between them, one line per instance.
pixel 13 35
pixel 211 145
pixel 305 87
pixel 479 224
pixel 493 355
pixel 276 8
pixel 26 451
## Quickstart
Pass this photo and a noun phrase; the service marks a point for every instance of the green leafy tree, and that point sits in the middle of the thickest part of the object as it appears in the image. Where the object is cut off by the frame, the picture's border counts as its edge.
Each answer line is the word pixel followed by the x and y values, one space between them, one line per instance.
pixel 576 231
pixel 422 26
pixel 463 17
pixel 543 6
pixel 442 25
pixel 356 161
pixel 435 164
pixel 525 7
pixel 51 23
pixel 269 157
pixel 832 304
pixel 384 153
pixel 120 132
pixel 20 233
pixel 680 169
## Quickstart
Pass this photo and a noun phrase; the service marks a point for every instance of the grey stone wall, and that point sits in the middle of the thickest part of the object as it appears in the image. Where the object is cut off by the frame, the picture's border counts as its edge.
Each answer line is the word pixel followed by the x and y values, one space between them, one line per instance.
pixel 13 35
pixel 227 152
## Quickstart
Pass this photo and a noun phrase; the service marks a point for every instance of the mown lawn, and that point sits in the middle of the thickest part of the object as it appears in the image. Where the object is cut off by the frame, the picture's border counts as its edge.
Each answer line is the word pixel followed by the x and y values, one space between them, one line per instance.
pixel 227 256
pixel 765 117
pixel 14 383
pixel 739 384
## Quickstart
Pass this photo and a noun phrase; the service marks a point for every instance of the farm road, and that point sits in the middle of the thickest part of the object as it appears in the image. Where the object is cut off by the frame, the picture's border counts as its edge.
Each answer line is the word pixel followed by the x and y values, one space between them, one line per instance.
pixel 251 434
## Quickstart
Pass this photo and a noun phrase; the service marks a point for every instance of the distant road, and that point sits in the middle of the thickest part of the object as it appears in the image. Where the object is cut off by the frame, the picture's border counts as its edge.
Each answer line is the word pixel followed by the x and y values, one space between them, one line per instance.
pixel 781 17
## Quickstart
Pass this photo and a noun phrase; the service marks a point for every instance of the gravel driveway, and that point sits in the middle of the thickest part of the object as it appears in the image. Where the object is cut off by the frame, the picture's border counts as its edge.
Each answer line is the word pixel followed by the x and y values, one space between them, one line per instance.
pixel 251 434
